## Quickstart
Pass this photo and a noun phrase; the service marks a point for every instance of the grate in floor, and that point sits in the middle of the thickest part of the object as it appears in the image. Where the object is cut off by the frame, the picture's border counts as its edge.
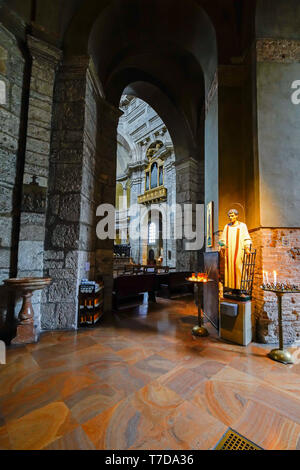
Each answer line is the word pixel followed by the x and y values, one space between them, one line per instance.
pixel 234 441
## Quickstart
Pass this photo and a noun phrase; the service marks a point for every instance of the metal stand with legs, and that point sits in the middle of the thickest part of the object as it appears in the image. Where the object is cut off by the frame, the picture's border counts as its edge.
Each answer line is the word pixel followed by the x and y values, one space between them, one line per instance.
pixel 280 354
pixel 200 330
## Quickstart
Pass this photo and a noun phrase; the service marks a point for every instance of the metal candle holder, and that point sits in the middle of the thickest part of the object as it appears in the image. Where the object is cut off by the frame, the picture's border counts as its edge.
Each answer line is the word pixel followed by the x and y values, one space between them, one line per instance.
pixel 199 330
pixel 281 354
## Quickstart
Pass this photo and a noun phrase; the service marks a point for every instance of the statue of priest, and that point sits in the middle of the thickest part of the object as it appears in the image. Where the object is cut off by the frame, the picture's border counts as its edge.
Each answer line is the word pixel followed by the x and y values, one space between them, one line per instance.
pixel 234 240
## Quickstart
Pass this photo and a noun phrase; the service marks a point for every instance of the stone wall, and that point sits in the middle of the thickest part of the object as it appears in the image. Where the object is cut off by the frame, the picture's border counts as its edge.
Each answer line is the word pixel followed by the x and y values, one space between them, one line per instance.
pixel 278 132
pixel 44 61
pixel 82 175
pixel 12 69
pixel 278 119
pixel 277 249
pixel 188 190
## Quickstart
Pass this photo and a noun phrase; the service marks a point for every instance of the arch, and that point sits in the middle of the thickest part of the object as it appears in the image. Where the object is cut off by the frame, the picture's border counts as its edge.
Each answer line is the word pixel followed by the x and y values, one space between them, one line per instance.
pixel 125 24
pixel 169 63
pixel 185 144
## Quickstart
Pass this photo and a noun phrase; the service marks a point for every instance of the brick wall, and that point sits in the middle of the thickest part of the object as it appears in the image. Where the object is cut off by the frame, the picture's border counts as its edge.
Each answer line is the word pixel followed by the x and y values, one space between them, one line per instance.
pixel 277 249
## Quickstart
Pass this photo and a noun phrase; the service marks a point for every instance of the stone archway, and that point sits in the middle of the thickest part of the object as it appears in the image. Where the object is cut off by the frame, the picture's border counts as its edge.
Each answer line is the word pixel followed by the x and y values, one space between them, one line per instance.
pixel 83 150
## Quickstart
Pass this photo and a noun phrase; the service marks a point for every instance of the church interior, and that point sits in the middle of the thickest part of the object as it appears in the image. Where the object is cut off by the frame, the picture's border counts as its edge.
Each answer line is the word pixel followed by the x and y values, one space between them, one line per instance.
pixel 149 225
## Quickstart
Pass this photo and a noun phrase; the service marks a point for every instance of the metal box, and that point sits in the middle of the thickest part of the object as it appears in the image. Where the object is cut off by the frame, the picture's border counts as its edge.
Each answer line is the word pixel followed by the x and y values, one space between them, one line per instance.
pixel 236 322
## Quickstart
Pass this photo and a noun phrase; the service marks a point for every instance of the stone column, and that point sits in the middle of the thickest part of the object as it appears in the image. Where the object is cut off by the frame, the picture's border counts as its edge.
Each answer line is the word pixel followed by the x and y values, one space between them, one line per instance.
pixel 13 68
pixel 70 227
pixel 187 189
pixel 106 193
pixel 137 178
pixel 82 176
pixel 45 59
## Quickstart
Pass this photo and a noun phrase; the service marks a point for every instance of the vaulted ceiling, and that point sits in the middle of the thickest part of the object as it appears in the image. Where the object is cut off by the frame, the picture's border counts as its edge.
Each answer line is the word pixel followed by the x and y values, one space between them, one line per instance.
pixel 233 20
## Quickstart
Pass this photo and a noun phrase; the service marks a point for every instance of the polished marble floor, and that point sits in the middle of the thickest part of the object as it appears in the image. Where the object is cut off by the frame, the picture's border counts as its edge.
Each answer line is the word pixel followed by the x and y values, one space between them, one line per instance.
pixel 141 381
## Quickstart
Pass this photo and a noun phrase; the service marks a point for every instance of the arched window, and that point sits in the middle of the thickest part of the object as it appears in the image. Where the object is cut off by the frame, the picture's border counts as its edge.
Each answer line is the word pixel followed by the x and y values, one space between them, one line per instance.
pixel 152 234
pixel 154 176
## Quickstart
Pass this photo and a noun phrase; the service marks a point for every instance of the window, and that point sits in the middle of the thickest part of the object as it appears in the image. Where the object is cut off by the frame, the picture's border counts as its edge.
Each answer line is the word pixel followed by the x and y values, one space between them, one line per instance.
pixel 154 176
pixel 161 175
pixel 152 234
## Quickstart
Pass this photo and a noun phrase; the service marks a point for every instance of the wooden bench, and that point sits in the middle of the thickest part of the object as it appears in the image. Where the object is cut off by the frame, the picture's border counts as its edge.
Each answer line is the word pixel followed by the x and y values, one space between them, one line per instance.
pixel 175 282
pixel 129 286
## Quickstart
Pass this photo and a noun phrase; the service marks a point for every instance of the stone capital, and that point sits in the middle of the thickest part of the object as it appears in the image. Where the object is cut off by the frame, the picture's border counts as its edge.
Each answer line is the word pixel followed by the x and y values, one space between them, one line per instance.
pixel 43 51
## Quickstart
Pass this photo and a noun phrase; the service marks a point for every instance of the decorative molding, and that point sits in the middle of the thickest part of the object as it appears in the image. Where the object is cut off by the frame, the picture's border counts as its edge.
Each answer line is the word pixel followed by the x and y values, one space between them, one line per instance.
pixel 283 51
pixel 134 118
pixel 153 195
pixel 41 50
pixel 139 129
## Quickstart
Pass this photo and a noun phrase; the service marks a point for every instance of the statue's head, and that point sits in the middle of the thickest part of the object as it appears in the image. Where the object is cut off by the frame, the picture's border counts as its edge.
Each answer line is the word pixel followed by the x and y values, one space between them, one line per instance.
pixel 233 215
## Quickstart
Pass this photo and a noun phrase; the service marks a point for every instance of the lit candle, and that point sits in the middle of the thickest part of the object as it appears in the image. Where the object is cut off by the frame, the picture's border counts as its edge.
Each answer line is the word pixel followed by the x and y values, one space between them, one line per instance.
pixel 267 277
pixel 275 277
pixel 264 277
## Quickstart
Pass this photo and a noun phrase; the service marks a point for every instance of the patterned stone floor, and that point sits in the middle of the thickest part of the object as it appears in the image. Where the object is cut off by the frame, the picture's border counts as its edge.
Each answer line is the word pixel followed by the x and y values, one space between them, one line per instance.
pixel 141 381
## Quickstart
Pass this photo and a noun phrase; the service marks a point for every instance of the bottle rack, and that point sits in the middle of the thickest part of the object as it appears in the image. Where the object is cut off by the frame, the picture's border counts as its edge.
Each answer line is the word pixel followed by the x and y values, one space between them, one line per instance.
pixel 90 305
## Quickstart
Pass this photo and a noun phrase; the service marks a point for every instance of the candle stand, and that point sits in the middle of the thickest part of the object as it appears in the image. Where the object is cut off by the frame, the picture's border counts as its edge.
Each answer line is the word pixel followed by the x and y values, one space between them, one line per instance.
pixel 199 330
pixel 280 354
